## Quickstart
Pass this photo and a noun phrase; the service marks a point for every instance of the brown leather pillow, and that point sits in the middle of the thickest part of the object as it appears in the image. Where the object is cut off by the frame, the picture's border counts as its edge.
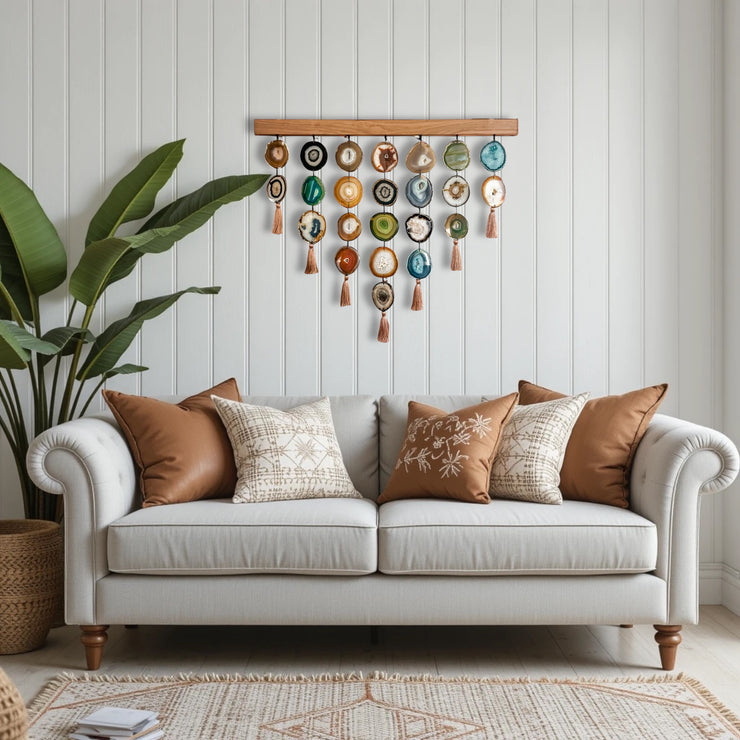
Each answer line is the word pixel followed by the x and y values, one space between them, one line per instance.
pixel 182 450
pixel 449 455
pixel 598 458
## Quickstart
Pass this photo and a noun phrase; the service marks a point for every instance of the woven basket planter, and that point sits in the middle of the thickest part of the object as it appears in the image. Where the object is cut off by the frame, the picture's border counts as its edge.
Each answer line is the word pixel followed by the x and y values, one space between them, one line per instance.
pixel 13 717
pixel 31 582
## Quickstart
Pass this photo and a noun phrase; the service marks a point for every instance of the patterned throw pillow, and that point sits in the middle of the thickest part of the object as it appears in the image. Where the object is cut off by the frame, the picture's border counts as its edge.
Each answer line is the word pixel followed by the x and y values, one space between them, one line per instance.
pixel 282 455
pixel 449 455
pixel 529 458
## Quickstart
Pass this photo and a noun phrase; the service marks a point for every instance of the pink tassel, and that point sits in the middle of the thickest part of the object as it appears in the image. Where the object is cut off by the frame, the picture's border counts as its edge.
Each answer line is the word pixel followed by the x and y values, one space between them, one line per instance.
pixel 277 222
pixel 344 300
pixel 417 304
pixel 492 227
pixel 384 332
pixel 311 266
pixel 456 262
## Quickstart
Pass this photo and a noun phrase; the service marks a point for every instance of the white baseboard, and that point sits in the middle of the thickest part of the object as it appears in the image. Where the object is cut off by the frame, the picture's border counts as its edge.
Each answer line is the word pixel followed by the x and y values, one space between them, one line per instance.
pixel 731 588
pixel 719 584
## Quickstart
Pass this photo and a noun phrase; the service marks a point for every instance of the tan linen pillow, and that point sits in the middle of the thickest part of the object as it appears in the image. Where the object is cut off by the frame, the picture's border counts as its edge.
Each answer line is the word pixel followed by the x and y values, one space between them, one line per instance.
pixel 599 454
pixel 181 450
pixel 527 464
pixel 449 455
pixel 285 455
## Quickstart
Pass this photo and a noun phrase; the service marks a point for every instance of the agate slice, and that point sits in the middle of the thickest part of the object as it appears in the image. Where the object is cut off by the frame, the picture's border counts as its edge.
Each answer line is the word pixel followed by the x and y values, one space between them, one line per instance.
pixel 456 226
pixel 348 156
pixel 383 262
pixel 494 191
pixel 348 191
pixel 456 155
pixel 385 192
pixel 493 156
pixel 382 296
pixel 349 227
pixel 312 226
pixel 347 259
pixel 384 157
pixel 313 155
pixel 384 226
pixel 419 227
pixel 420 157
pixel 456 191
pixel 276 188
pixel 419 263
pixel 419 191
pixel 276 154
pixel 312 190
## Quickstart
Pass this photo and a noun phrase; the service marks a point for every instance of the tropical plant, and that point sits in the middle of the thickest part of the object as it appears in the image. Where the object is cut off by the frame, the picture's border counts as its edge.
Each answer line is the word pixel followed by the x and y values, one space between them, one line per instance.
pixel 67 365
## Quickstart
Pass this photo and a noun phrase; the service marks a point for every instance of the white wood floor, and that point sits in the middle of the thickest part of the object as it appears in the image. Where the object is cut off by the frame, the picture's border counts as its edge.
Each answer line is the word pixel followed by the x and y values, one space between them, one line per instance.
pixel 710 652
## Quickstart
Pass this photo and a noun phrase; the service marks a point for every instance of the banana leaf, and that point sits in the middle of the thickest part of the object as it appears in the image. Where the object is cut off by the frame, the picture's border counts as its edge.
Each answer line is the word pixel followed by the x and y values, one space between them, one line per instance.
pixel 16 345
pixel 65 339
pixel 133 196
pixel 116 338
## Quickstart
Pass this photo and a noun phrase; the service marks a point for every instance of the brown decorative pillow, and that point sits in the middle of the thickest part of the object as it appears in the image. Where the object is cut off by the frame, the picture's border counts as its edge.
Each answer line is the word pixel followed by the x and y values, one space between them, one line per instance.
pixel 449 455
pixel 599 454
pixel 182 450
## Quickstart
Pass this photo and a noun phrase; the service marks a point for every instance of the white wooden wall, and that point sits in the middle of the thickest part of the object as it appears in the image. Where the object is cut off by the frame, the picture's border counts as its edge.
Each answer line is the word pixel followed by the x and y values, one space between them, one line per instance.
pixel 607 274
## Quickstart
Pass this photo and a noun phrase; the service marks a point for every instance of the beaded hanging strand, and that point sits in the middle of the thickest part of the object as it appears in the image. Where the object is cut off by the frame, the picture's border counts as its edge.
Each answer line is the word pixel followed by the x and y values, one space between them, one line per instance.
pixel 312 225
pixel 493 157
pixel 349 226
pixel 276 155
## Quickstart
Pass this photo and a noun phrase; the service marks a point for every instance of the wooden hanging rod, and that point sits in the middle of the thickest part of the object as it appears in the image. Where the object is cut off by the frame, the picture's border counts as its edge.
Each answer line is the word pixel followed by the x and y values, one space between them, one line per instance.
pixel 386 127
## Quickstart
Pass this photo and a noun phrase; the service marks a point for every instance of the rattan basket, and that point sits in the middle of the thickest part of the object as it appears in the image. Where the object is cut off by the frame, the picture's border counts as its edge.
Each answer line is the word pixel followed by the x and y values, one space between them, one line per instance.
pixel 31 582
pixel 13 717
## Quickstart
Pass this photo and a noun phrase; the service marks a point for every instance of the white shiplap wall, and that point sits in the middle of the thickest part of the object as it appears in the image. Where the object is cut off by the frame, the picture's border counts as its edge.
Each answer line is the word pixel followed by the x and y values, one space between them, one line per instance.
pixel 607 274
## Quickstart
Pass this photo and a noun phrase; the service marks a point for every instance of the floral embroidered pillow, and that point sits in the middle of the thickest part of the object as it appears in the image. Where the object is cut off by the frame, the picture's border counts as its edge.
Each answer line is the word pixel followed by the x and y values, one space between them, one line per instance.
pixel 449 455
pixel 283 455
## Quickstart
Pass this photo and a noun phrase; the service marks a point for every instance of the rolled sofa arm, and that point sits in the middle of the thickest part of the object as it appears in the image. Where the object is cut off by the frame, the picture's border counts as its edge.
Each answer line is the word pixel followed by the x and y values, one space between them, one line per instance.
pixel 674 463
pixel 88 462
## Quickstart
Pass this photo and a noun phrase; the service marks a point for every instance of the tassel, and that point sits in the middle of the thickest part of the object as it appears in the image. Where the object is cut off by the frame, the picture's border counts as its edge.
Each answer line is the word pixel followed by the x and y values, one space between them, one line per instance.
pixel 344 300
pixel 456 263
pixel 384 332
pixel 417 304
pixel 277 222
pixel 492 227
pixel 311 266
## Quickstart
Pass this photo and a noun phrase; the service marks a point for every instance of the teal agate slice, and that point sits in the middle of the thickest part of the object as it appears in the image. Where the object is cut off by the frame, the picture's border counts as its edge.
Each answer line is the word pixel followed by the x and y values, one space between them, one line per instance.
pixel 312 190
pixel 493 156
pixel 419 264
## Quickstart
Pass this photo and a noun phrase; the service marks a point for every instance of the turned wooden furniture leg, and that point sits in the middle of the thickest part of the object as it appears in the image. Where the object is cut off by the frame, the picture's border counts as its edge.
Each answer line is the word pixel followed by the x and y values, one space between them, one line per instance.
pixel 668 637
pixel 93 637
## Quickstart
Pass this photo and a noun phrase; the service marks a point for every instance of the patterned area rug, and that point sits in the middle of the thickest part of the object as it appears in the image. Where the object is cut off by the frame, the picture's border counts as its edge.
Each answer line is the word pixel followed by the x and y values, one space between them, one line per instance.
pixel 377 707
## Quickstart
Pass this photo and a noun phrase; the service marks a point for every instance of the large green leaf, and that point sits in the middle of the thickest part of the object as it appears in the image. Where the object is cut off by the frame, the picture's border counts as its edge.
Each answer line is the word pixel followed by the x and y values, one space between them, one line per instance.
pixel 32 256
pixel 92 274
pixel 134 195
pixel 17 344
pixel 125 369
pixel 12 279
pixel 116 338
pixel 65 338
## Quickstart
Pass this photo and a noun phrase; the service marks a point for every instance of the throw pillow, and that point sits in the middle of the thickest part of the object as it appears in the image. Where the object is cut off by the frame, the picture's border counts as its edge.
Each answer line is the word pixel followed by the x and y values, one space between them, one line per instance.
pixel 527 464
pixel 598 458
pixel 282 455
pixel 181 450
pixel 449 455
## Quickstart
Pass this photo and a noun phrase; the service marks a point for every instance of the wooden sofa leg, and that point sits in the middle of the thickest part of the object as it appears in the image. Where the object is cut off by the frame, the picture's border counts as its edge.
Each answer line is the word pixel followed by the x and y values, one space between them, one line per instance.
pixel 668 637
pixel 94 637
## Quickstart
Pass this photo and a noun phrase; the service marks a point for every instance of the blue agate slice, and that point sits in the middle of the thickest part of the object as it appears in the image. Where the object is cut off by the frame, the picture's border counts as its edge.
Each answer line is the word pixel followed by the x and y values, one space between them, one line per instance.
pixel 493 156
pixel 419 264
pixel 419 191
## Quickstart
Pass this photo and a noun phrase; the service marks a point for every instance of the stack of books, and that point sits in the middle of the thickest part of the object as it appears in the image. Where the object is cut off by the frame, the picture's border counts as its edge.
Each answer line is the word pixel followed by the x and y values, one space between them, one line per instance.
pixel 118 723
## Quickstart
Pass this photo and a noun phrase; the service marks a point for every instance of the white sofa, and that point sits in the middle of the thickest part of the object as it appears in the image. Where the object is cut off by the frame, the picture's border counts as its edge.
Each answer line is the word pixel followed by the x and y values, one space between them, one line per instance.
pixel 411 562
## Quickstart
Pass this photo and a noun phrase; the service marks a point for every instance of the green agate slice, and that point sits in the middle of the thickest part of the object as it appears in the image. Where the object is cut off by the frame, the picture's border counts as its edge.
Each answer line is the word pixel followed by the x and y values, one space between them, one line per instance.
pixel 312 190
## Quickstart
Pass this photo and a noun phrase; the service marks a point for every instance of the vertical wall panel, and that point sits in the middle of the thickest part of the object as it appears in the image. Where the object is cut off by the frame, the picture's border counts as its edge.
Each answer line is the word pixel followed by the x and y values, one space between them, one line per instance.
pixel 516 353
pixel 554 194
pixel 626 197
pixel 302 292
pixel 338 100
pixel 590 196
pixel 267 261
pixel 374 99
pixel 158 112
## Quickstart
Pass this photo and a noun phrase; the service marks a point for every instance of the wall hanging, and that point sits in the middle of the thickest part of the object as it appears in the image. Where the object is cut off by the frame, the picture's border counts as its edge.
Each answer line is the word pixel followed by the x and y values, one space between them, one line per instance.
pixel 418 189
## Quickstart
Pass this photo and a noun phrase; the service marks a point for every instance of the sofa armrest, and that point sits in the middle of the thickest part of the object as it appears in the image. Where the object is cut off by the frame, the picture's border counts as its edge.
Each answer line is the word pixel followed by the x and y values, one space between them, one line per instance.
pixel 674 463
pixel 88 462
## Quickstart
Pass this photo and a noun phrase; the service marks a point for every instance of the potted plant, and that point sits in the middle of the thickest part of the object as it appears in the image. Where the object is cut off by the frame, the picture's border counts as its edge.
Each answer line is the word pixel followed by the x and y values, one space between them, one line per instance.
pixel 65 366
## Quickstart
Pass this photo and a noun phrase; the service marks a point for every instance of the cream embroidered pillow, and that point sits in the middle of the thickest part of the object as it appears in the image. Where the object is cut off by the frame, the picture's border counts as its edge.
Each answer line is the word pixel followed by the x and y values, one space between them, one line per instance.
pixel 529 458
pixel 283 455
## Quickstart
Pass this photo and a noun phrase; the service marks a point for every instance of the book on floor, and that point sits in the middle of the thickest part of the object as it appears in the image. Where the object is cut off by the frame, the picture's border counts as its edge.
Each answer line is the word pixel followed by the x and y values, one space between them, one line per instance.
pixel 119 723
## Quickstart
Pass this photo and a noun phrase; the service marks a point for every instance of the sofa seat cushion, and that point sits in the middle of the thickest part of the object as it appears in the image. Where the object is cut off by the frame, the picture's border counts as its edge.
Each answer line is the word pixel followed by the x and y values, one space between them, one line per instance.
pixel 216 536
pixel 436 537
